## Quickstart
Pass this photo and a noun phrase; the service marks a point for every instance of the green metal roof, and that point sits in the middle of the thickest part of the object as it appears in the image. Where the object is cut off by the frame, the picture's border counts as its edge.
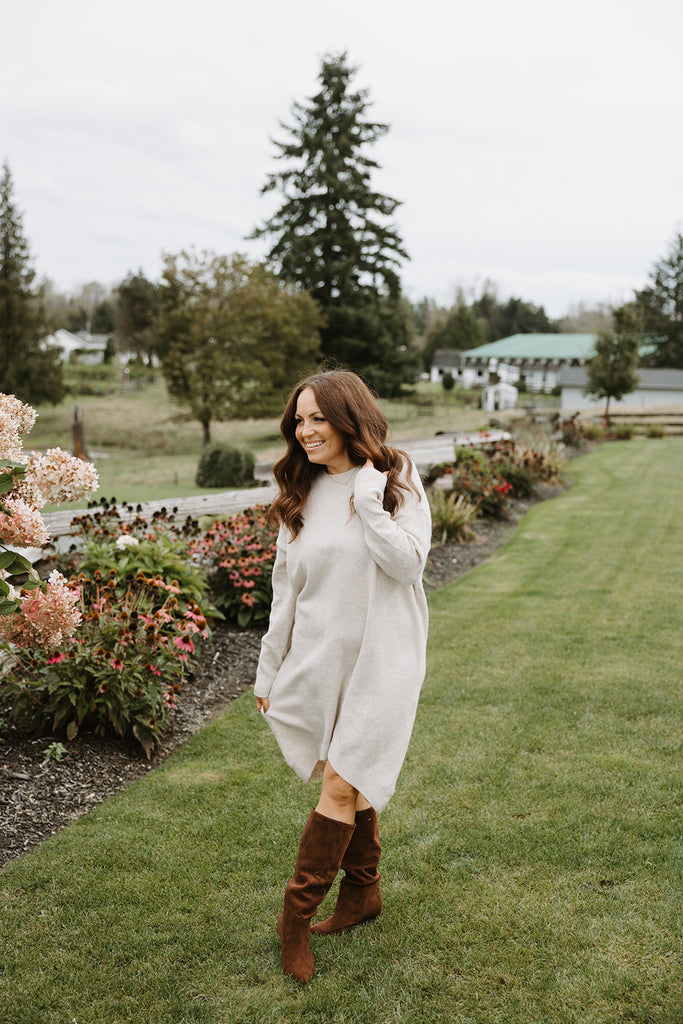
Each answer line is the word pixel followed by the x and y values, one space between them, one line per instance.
pixel 538 346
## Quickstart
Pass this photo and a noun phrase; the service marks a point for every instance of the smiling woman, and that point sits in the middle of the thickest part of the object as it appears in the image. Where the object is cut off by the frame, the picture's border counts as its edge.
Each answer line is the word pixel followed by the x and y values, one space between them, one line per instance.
pixel 343 661
pixel 323 444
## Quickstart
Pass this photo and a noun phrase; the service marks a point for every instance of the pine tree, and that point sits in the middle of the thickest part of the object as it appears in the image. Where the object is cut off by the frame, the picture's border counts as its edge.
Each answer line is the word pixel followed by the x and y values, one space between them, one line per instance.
pixel 332 232
pixel 28 368
pixel 661 305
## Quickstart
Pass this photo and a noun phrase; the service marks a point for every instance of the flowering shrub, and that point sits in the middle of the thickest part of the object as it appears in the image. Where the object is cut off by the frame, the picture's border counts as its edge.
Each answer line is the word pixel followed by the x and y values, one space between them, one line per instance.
pixel 165 557
pixel 33 612
pixel 103 521
pixel 121 673
pixel 475 478
pixel 45 617
pixel 237 555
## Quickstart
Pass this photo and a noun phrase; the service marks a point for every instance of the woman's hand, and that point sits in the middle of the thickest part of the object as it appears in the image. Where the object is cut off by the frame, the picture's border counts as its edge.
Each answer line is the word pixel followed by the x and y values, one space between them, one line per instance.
pixel 369 464
pixel 262 705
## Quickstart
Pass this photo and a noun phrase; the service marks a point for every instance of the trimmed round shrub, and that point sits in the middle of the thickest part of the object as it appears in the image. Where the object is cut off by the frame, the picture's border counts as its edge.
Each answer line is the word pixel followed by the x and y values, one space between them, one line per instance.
pixel 225 465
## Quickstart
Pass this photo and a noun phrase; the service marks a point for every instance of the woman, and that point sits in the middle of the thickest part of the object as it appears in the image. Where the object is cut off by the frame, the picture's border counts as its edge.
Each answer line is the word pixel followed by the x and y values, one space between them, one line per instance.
pixel 343 660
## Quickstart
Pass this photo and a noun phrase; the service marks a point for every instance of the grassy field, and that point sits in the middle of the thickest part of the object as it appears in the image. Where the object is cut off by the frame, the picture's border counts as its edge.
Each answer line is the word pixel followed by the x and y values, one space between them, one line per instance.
pixel 532 861
pixel 145 449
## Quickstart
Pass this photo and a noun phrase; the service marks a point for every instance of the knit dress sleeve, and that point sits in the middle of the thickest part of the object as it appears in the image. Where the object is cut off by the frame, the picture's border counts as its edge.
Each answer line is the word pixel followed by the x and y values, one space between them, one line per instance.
pixel 398 543
pixel 276 642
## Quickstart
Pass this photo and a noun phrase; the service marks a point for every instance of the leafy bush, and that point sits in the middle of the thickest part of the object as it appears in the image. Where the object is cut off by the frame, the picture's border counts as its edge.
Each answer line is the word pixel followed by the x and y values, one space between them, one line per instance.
pixel 476 479
pixel 622 431
pixel 237 555
pixel 451 516
pixel 544 458
pixel 224 465
pixel 165 557
pixel 656 430
pixel 121 673
pixel 593 431
pixel 520 478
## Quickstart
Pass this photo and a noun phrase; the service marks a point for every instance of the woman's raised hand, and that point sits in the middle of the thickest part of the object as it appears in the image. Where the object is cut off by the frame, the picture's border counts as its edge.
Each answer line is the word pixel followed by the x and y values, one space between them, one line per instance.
pixel 369 464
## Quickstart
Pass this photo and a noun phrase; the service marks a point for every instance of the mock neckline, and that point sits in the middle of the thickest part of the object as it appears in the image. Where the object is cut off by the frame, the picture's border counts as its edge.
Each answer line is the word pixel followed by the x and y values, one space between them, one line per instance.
pixel 342 478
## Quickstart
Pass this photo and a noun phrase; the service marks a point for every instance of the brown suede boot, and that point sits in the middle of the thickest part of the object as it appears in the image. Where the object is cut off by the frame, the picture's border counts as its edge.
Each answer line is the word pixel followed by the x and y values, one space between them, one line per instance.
pixel 359 896
pixel 321 850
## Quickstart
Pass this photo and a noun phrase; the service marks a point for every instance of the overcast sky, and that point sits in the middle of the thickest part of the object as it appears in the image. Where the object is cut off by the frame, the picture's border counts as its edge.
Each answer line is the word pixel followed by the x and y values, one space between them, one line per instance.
pixel 534 143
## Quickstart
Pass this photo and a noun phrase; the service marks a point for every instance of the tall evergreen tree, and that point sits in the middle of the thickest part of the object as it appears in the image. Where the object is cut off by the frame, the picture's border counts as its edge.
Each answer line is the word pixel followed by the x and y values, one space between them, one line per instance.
pixel 332 235
pixel 661 304
pixel 28 368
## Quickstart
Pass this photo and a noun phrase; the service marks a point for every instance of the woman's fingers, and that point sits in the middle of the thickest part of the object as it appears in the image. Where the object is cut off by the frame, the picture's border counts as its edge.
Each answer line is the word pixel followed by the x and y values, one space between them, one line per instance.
pixel 262 704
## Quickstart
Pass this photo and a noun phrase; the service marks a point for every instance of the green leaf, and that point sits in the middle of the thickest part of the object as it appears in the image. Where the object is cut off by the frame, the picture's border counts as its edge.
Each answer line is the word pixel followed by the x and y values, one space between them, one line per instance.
pixel 72 730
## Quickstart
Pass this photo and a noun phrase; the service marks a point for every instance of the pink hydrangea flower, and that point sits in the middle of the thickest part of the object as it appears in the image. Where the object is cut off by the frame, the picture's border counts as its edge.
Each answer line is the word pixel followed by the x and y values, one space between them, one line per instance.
pixel 21 524
pixel 58 477
pixel 44 618
pixel 16 419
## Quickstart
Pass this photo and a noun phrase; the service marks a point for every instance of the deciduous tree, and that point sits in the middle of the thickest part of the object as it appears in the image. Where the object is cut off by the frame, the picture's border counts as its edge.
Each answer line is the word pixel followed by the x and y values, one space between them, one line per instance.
pixel 29 368
pixel 135 312
pixel 612 370
pixel 332 233
pixel 232 338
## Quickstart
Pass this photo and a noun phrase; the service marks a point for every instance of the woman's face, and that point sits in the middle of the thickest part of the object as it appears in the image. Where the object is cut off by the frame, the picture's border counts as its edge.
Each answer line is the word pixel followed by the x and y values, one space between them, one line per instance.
pixel 321 441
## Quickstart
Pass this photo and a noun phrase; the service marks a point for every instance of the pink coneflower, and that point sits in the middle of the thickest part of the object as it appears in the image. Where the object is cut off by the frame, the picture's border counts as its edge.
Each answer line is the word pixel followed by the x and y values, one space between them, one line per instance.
pixel 56 658
pixel 117 664
pixel 184 643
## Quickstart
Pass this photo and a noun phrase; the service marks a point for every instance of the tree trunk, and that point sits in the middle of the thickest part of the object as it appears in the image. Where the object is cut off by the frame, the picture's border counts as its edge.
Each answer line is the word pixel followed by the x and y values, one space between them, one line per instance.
pixel 78 433
pixel 206 428
pixel 607 414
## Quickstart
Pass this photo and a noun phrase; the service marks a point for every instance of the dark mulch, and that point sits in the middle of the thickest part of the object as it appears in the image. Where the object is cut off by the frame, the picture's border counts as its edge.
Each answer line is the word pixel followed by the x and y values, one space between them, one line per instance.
pixel 38 797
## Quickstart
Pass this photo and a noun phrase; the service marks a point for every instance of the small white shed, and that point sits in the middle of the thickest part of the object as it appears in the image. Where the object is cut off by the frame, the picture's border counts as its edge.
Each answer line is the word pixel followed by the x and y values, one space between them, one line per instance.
pixel 499 396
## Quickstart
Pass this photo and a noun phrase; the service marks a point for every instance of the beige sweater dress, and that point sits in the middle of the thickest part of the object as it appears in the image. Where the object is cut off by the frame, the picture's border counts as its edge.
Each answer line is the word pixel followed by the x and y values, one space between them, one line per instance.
pixel 343 660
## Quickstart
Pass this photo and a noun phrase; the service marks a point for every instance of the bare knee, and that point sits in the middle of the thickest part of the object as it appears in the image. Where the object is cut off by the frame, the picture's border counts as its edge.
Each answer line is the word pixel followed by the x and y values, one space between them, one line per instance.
pixel 338 797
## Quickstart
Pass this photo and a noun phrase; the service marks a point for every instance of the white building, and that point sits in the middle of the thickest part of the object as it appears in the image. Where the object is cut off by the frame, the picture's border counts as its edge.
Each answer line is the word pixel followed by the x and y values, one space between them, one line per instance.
pixel 656 388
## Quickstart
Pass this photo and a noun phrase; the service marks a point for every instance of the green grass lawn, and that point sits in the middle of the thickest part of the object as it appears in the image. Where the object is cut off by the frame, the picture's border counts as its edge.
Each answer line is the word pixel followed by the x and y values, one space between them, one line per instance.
pixel 532 861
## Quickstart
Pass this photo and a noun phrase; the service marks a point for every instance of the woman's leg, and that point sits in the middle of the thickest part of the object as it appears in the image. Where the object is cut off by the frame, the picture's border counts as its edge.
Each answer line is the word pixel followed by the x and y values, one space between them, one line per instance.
pixel 338 799
pixel 359 896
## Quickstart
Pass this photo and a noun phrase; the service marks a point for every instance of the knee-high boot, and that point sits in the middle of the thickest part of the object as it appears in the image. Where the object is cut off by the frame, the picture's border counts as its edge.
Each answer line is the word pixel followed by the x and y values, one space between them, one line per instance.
pixel 359 896
pixel 321 850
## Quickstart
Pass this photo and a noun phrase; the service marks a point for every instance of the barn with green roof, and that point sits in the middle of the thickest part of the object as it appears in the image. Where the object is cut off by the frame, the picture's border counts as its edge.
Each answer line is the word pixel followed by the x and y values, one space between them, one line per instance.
pixel 533 361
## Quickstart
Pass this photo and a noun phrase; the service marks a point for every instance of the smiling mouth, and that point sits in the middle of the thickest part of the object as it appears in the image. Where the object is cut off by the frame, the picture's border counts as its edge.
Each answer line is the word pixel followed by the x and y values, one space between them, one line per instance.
pixel 313 445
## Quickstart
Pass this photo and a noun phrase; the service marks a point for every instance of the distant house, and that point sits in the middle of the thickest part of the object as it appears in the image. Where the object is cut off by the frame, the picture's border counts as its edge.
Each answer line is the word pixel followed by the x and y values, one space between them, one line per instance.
pixel 533 361
pixel 448 360
pixel 81 345
pixel 656 388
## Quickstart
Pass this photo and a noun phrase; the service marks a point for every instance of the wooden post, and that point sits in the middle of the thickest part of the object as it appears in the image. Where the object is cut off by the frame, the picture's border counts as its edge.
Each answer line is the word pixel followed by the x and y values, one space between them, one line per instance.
pixel 77 431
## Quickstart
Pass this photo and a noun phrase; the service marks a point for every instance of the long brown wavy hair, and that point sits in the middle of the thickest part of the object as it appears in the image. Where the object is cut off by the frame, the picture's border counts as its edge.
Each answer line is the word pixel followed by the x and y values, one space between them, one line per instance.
pixel 350 407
